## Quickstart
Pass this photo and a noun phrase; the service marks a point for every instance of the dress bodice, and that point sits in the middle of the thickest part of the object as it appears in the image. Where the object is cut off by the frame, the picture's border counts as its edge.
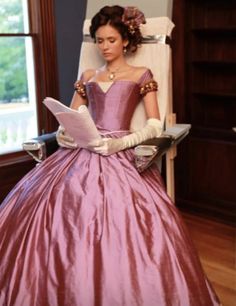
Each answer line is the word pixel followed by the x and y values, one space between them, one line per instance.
pixel 112 109
pixel 112 105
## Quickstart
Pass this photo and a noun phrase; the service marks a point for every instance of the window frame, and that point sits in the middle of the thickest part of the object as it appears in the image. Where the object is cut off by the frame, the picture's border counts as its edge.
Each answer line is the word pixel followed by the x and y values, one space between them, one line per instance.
pixel 42 31
pixel 13 166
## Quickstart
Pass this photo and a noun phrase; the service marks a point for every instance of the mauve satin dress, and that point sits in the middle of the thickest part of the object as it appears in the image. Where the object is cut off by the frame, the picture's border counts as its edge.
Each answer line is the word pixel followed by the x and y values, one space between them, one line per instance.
pixel 83 229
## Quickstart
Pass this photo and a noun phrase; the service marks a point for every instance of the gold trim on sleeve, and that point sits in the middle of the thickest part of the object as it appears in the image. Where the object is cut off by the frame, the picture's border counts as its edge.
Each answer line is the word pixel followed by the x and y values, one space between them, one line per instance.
pixel 80 88
pixel 150 85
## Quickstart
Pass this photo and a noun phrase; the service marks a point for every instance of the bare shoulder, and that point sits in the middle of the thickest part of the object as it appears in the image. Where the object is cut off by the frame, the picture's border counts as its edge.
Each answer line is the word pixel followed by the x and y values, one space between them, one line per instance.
pixel 88 74
pixel 139 71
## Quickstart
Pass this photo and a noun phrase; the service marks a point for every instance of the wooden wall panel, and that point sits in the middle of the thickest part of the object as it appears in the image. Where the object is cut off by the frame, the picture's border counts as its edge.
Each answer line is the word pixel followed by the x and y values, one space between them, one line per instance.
pixel 11 173
pixel 206 161
pixel 211 173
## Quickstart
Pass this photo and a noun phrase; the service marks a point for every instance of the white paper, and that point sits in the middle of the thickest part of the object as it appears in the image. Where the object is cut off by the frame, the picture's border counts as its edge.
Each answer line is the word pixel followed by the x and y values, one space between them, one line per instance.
pixel 77 123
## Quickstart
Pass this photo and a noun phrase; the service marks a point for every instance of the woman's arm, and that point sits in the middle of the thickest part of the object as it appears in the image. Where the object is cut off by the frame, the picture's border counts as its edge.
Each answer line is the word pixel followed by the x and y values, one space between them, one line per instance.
pixel 151 105
pixel 77 100
pixel 79 97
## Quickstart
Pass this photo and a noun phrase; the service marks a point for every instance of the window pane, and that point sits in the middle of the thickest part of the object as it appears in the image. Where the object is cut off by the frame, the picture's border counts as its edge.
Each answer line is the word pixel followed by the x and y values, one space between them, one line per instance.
pixel 18 120
pixel 14 16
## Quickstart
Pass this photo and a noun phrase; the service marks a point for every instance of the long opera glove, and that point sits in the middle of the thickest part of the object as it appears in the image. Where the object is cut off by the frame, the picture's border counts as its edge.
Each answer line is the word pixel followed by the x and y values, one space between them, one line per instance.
pixel 108 146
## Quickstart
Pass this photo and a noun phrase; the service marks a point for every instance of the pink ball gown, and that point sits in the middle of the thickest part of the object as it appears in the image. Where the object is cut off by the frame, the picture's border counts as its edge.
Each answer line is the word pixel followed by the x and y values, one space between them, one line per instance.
pixel 83 229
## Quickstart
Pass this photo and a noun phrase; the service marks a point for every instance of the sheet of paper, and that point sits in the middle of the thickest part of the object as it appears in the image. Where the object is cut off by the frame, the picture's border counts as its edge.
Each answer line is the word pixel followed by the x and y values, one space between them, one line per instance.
pixel 80 126
pixel 56 106
pixel 77 123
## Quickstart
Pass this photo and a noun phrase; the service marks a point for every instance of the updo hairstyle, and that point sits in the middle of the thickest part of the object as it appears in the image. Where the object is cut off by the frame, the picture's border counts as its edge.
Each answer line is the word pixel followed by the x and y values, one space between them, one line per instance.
pixel 114 16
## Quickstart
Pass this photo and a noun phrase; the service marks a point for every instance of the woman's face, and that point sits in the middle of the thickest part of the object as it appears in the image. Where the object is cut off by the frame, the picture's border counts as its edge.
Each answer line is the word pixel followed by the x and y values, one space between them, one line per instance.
pixel 109 42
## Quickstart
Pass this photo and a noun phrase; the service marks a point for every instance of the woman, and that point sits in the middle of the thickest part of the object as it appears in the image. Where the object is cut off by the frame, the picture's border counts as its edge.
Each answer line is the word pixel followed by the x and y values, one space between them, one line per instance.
pixel 85 227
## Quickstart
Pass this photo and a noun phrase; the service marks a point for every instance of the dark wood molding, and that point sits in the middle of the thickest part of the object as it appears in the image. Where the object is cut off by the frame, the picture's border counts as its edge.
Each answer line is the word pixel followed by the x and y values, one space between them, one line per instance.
pixel 13 158
pixel 45 50
pixel 225 211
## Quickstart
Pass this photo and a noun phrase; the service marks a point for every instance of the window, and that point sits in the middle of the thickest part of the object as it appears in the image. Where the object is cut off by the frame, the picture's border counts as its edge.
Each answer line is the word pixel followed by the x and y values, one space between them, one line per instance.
pixel 18 111
pixel 28 74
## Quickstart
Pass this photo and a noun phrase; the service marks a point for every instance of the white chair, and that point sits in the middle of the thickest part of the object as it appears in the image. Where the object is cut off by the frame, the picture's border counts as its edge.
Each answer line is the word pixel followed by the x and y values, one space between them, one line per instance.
pixel 155 53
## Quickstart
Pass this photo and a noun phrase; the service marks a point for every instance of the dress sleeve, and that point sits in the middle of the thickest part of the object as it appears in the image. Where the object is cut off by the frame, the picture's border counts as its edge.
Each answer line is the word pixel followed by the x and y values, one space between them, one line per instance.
pixel 147 83
pixel 80 87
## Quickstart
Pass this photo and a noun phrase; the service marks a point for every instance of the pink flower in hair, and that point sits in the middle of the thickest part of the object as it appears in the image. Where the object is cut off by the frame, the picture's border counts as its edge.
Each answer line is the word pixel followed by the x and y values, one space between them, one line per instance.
pixel 133 18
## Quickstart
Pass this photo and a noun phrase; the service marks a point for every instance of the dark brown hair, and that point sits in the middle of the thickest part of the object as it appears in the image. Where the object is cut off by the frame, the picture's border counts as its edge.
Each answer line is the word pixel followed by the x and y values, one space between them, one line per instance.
pixel 112 15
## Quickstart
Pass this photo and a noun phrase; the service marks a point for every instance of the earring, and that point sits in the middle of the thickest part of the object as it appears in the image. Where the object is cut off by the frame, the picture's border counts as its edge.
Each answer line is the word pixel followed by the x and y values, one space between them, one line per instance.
pixel 124 49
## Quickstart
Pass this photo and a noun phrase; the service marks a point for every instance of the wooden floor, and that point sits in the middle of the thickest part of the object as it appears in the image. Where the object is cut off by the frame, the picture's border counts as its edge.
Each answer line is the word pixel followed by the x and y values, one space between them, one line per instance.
pixel 216 245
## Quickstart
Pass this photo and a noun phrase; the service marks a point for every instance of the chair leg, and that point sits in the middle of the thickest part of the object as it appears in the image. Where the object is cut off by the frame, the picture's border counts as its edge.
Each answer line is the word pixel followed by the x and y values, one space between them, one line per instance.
pixel 170 156
pixel 170 172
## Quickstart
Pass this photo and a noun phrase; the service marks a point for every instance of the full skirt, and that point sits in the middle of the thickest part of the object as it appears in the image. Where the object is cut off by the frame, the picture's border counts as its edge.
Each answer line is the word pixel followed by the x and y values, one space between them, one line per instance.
pixel 82 229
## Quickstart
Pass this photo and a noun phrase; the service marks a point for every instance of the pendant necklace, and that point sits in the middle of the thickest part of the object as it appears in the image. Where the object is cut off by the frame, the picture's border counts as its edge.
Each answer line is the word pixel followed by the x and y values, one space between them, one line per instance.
pixel 112 74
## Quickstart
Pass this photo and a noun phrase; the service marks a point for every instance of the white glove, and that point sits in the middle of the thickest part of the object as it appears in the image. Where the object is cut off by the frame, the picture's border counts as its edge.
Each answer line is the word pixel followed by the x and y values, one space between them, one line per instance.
pixel 108 146
pixel 64 140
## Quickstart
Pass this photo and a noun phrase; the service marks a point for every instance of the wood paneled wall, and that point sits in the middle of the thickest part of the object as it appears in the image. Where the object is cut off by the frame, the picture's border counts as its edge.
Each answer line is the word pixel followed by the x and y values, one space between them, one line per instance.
pixel 204 66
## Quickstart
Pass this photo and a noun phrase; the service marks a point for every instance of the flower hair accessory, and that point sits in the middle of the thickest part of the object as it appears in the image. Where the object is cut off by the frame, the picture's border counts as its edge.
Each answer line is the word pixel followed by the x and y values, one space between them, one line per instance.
pixel 132 18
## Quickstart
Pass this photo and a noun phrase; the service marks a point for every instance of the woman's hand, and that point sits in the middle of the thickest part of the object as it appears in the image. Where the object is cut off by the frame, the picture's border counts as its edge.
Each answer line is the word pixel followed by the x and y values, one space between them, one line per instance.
pixel 106 146
pixel 64 140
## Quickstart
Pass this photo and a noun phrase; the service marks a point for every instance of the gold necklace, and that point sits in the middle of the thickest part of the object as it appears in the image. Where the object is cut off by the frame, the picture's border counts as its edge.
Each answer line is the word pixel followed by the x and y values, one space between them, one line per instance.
pixel 112 74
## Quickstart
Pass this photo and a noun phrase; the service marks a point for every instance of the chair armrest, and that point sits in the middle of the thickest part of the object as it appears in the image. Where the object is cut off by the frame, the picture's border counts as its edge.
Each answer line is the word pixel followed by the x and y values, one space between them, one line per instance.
pixel 177 132
pixel 41 147
pixel 151 150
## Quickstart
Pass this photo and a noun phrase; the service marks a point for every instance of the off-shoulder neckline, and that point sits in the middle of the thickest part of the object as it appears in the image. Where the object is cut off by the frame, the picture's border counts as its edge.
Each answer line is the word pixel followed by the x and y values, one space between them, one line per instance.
pixel 123 80
pixel 112 84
